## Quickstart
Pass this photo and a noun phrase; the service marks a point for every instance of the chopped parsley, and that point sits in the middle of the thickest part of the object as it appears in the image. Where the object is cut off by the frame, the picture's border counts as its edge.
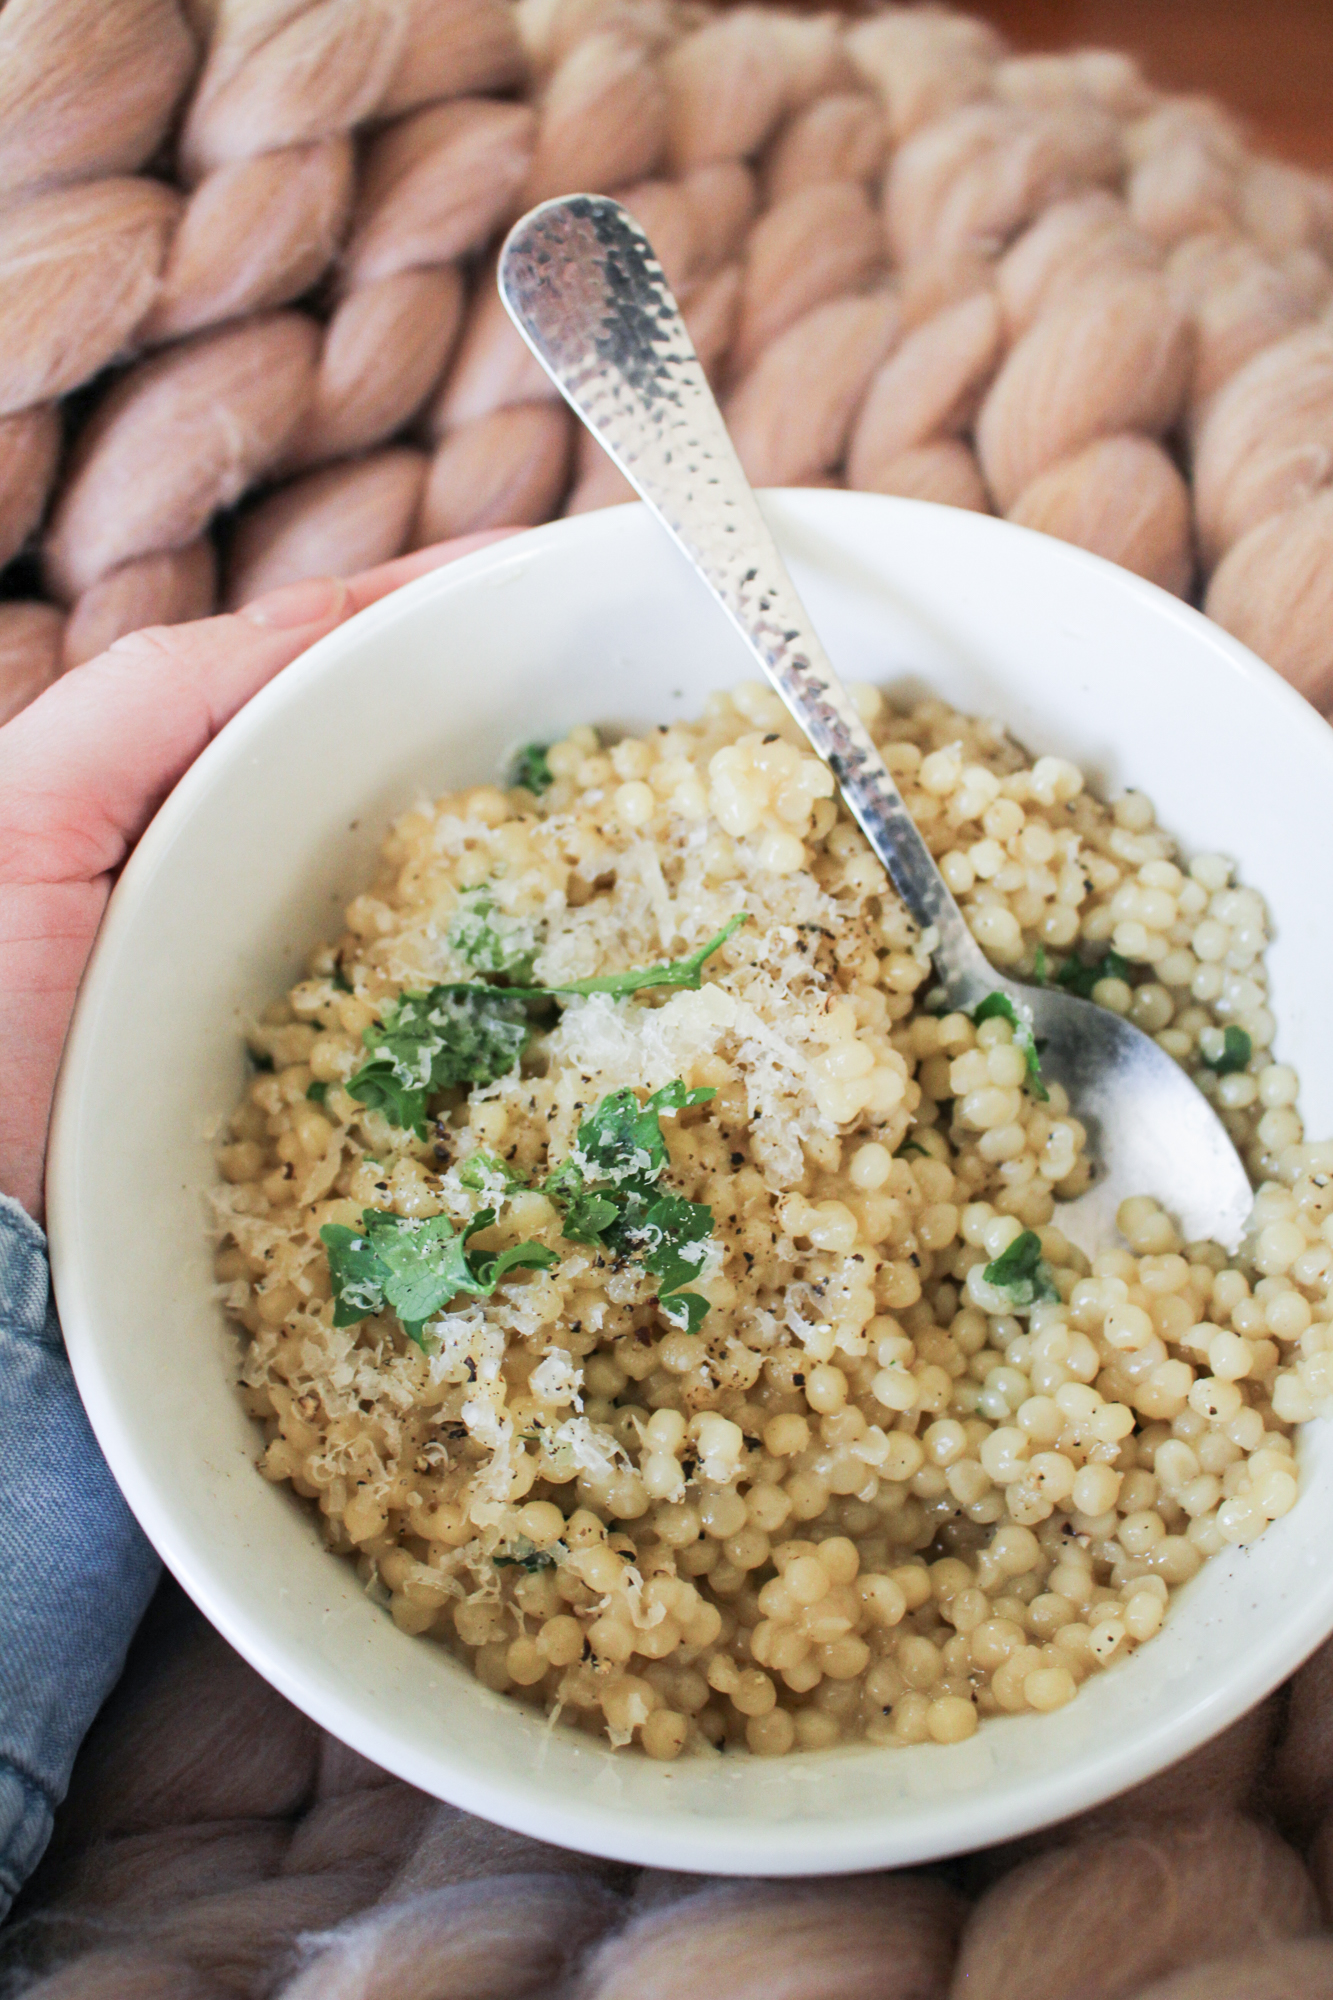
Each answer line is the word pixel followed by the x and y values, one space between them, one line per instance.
pixel 467 1032
pixel 521 1554
pixel 608 1196
pixel 623 1141
pixel 427 1042
pixel 1078 978
pixel 998 1006
pixel 413 1266
pixel 607 1193
pixel 481 1169
pixel 911 1146
pixel 1040 965
pixel 531 769
pixel 683 972
pixel 484 937
pixel 1237 1048
pixel 317 1091
pixel 1023 1272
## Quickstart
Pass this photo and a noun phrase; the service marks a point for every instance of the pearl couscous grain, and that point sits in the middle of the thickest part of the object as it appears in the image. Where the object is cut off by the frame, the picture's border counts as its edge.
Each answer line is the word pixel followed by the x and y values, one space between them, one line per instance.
pixel 866 1498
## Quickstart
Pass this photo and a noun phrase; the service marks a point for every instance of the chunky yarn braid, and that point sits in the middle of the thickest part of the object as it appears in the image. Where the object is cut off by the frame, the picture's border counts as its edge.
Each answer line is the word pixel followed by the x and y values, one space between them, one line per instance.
pixel 249 330
pixel 215 1843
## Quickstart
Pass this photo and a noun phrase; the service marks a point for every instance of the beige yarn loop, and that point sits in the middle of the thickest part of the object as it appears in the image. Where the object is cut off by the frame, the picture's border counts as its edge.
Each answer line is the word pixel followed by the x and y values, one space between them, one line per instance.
pixel 323 70
pixel 912 263
pixel 946 472
pixel 1081 237
pixel 29 446
pixel 509 1934
pixel 81 268
pixel 343 519
pixel 866 1938
pixel 929 388
pixel 165 589
pixel 840 137
pixel 1267 441
pixel 254 234
pixel 1103 1917
pixel 30 653
pixel 1113 355
pixel 790 416
pixel 176 440
pixel 1274 590
pixel 506 469
pixel 815 245
pixel 413 319
pixel 1122 498
pixel 436 184
pixel 74 105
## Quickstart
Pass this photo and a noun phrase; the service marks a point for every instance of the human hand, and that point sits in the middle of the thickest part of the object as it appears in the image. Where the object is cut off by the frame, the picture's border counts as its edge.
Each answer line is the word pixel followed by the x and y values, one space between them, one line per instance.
pixel 83 770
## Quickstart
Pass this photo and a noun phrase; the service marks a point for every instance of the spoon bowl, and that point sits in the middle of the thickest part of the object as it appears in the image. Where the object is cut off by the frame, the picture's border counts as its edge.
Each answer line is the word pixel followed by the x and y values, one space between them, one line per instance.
pixel 582 284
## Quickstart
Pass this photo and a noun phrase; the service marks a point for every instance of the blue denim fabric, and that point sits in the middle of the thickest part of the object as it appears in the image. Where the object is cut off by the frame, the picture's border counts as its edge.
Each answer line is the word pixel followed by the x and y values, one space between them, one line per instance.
pixel 75 1571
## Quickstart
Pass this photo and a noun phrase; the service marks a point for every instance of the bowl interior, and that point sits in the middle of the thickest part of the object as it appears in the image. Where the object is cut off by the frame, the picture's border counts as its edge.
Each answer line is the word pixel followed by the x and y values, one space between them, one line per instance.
pixel 247 866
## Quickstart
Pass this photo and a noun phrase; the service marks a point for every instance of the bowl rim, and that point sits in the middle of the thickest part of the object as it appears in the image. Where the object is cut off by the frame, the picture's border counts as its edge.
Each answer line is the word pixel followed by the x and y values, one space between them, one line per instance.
pixel 613 1832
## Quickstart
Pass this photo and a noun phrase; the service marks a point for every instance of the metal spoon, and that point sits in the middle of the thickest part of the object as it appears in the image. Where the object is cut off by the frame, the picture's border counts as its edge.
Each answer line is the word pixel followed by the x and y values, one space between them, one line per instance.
pixel 582 285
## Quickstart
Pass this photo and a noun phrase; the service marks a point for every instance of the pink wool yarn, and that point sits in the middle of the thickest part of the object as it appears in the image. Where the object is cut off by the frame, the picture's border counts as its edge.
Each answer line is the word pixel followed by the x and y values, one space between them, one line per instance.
pixel 911 262
pixel 215 1843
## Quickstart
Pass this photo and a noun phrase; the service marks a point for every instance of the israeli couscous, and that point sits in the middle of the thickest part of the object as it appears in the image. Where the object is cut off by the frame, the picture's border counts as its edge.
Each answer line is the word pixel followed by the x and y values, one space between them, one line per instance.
pixel 666 1309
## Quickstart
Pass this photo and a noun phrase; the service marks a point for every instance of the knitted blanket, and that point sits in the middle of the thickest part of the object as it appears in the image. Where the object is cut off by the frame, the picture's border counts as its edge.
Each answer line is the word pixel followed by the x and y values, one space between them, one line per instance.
pixel 215 1843
pixel 249 330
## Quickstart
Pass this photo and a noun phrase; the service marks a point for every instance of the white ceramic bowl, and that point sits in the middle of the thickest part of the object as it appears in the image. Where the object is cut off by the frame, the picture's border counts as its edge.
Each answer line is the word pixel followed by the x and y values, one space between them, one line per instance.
pixel 246 867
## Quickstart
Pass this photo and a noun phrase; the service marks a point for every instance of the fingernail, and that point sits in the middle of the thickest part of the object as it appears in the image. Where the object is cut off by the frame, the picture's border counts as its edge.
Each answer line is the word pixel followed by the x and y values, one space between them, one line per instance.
pixel 298 603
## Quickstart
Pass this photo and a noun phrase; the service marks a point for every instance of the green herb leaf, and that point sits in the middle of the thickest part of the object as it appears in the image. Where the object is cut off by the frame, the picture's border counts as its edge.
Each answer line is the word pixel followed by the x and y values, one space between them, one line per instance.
pixel 606 1191
pixel 911 1146
pixel 1040 965
pixel 481 1168
pixel 357 1271
pixel 341 981
pixel 377 1087
pixel 427 1042
pixel 998 1006
pixel 1022 1271
pixel 487 1267
pixel 413 1266
pixel 317 1091
pixel 464 1031
pixel 1237 1048
pixel 521 1554
pixel 484 936
pixel 672 1241
pixel 1079 979
pixel 622 1141
pixel 686 1311
pixel 531 769
pixel 682 972
pixel 587 1214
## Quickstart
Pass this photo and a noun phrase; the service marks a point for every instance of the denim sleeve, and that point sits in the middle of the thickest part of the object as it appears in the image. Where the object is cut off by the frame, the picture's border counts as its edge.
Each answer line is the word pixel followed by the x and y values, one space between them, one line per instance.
pixel 75 1571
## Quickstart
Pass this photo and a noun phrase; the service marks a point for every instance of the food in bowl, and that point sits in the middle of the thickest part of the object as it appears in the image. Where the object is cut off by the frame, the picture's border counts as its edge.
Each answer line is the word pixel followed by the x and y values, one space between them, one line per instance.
pixel 667 1309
